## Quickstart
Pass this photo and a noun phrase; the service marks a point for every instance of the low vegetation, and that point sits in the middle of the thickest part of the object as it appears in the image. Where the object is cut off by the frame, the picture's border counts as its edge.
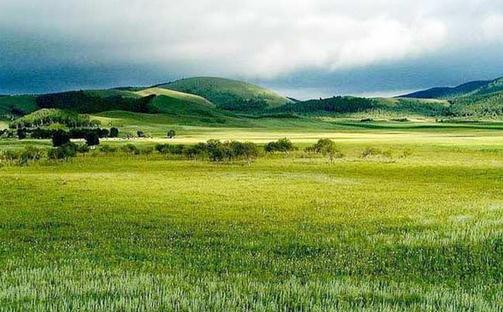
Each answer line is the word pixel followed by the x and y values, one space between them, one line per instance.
pixel 153 232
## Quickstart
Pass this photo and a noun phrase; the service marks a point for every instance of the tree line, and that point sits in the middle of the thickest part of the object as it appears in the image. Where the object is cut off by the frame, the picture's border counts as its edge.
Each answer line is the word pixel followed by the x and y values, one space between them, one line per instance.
pixel 212 150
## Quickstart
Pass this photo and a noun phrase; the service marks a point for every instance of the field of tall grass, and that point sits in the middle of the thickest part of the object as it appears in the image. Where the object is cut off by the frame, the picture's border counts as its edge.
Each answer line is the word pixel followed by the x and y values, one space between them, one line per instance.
pixel 403 222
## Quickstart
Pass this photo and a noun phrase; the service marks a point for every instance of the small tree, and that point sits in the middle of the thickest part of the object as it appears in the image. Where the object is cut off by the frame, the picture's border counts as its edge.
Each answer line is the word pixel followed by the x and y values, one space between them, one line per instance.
pixel 326 147
pixel 114 132
pixel 59 138
pixel 92 138
pixel 171 134
pixel 246 150
pixel 64 151
pixel 282 145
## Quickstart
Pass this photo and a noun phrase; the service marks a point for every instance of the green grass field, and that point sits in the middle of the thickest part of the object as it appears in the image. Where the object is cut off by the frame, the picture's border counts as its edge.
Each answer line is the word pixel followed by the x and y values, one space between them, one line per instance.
pixel 289 232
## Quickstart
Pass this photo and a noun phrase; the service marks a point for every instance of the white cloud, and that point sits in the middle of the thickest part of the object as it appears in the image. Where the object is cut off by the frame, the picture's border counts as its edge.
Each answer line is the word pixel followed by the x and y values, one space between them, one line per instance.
pixel 254 38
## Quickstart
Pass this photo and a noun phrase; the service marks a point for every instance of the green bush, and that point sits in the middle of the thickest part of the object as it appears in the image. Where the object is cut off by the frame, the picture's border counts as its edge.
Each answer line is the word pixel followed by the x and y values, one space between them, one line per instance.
pixel 217 151
pixel 92 139
pixel 107 149
pixel 59 138
pixel 197 151
pixel 64 151
pixel 10 155
pixel 169 149
pixel 83 148
pixel 244 150
pixel 282 145
pixel 372 151
pixel 114 132
pixel 130 149
pixel 30 153
pixel 171 133
pixel 147 150
pixel 326 147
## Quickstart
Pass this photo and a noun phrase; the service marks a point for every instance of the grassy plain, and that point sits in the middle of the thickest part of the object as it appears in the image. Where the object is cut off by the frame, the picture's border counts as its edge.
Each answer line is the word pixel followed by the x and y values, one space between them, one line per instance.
pixel 420 231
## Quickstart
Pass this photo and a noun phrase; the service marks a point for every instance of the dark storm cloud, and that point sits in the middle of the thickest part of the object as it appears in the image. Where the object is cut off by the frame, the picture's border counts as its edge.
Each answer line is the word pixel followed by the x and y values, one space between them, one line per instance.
pixel 342 46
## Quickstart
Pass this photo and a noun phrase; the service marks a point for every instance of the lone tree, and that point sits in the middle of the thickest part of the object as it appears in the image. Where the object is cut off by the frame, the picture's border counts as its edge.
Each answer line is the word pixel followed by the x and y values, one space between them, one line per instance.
pixel 60 137
pixel 114 132
pixel 171 134
pixel 326 147
pixel 92 138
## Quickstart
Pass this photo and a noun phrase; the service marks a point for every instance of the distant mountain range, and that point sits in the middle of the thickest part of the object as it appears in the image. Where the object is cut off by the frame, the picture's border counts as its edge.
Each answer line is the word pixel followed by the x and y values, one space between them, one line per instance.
pixel 472 88
pixel 476 98
pixel 214 98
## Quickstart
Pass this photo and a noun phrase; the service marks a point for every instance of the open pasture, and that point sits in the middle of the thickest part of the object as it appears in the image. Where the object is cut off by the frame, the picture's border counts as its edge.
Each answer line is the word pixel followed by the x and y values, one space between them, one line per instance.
pixel 420 230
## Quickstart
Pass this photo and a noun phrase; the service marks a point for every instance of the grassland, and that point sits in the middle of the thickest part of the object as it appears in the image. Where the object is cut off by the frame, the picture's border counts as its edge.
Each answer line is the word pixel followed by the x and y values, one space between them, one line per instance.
pixel 225 92
pixel 185 97
pixel 418 231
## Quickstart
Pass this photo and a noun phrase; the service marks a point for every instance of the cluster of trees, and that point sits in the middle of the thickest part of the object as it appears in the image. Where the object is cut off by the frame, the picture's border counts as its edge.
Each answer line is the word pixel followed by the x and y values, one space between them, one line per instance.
pixel 215 150
pixel 47 117
pixel 91 135
pixel 336 104
pixel 85 102
pixel 282 146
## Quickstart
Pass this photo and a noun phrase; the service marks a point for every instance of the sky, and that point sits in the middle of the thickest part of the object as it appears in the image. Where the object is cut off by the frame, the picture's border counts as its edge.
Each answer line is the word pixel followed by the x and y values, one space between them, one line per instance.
pixel 302 48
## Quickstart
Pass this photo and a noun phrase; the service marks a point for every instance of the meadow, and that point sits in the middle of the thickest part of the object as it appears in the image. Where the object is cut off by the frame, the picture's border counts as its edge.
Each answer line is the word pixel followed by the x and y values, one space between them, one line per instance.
pixel 418 228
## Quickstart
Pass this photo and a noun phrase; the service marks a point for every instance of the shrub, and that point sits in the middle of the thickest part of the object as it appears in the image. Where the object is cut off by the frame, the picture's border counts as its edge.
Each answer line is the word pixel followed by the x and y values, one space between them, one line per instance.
pixel 130 149
pixel 64 151
pixel 107 149
pixel 114 132
pixel 30 153
pixel 140 134
pixel 372 151
pixel 83 148
pixel 59 138
pixel 147 150
pixel 199 150
pixel 246 150
pixel 9 155
pixel 92 138
pixel 171 134
pixel 169 149
pixel 282 145
pixel 218 151
pixel 326 147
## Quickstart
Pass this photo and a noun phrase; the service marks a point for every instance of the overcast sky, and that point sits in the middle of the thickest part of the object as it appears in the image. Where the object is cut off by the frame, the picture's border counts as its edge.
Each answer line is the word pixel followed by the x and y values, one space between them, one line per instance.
pixel 306 48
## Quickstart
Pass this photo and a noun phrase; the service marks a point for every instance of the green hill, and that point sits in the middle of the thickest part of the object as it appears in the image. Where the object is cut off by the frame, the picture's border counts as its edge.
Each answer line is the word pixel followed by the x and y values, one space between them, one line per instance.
pixel 95 101
pixel 228 94
pixel 352 105
pixel 18 105
pixel 473 88
pixel 473 99
pixel 176 95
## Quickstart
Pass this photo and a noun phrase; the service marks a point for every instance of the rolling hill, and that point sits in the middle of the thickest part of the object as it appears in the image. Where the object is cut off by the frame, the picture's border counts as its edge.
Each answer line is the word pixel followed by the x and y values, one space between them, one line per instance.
pixel 473 99
pixel 17 105
pixel 467 89
pixel 354 105
pixel 228 94
pixel 176 95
